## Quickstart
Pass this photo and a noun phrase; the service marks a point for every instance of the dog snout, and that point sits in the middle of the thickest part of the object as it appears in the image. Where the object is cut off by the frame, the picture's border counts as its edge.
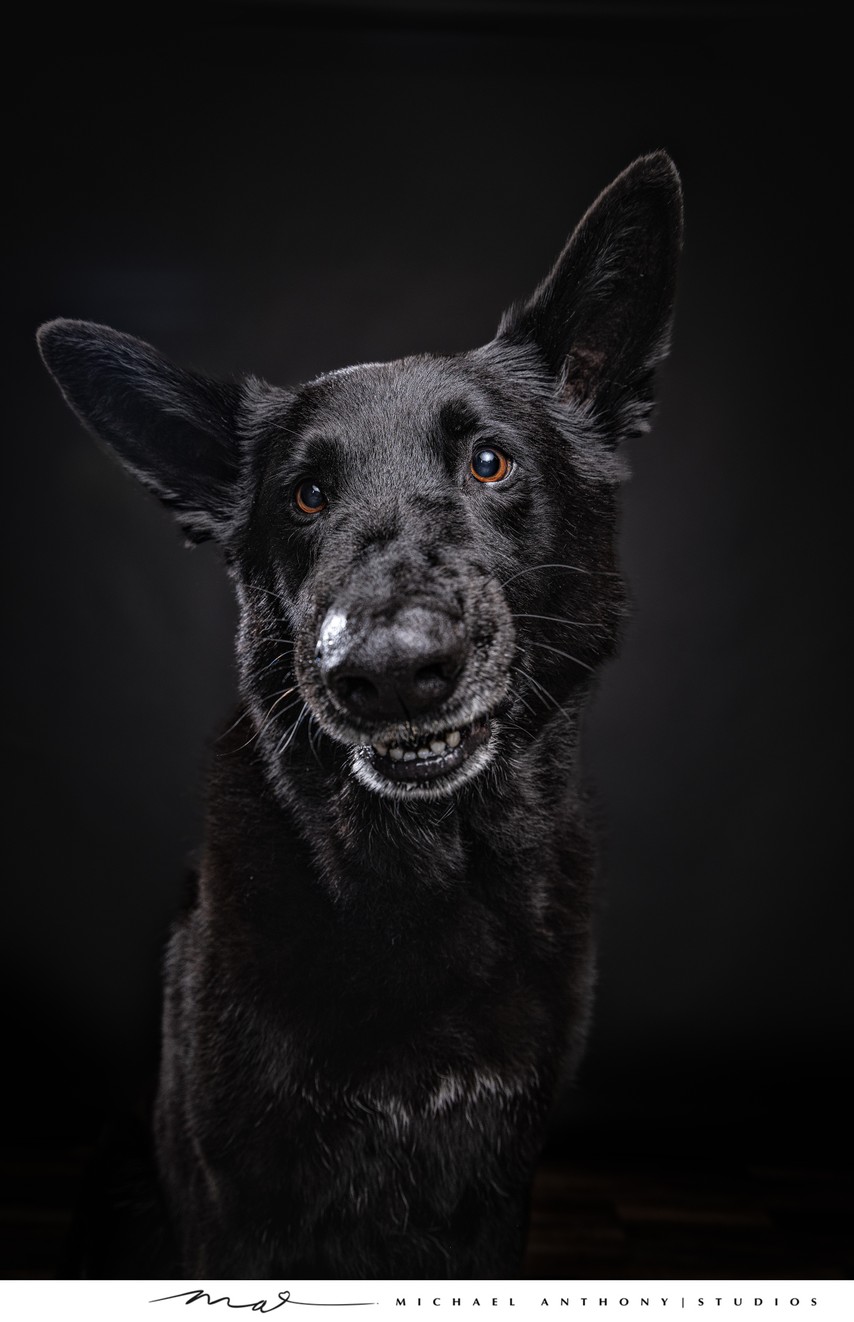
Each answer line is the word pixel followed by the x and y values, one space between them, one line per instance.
pixel 392 669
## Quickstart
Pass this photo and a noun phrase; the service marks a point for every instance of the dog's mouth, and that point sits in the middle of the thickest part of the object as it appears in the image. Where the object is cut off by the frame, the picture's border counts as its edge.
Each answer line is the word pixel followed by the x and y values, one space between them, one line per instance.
pixel 427 758
pixel 425 766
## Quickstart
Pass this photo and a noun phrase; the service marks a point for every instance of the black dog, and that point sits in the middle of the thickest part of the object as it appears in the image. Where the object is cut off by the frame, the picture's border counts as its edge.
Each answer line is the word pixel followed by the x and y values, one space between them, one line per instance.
pixel 388 958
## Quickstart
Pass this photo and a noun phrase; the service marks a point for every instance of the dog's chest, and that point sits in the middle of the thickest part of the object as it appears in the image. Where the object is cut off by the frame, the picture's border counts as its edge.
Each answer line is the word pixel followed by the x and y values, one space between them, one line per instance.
pixel 396 1128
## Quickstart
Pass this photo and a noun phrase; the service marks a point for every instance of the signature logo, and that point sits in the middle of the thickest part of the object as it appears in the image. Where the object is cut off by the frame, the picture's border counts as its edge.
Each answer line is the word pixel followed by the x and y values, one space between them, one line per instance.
pixel 259 1305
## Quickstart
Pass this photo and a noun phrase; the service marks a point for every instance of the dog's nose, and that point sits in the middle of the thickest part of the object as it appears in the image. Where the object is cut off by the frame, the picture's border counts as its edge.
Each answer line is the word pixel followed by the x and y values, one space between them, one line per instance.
pixel 394 669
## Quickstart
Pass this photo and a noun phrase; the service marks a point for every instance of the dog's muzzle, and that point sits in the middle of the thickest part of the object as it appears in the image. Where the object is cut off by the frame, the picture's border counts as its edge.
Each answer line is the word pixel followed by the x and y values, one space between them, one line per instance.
pixel 396 683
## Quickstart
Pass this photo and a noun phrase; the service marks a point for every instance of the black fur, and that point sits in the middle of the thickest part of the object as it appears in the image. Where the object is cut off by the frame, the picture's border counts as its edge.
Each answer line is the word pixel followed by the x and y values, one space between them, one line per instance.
pixel 372 995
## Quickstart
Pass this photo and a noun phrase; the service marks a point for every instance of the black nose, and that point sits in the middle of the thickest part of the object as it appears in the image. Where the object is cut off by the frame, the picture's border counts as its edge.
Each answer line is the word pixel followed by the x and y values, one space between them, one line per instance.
pixel 394 669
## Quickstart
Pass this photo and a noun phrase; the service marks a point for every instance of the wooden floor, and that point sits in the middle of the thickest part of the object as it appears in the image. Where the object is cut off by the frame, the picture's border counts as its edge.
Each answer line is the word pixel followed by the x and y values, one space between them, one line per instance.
pixel 630 1221
pixel 675 1222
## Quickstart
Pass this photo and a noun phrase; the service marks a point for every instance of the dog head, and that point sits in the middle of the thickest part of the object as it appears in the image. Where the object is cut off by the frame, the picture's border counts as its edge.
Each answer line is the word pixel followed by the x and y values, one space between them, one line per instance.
pixel 423 549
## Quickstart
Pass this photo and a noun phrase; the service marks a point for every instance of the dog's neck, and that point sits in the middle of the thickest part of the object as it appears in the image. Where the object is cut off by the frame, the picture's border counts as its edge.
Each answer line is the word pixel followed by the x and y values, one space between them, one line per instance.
pixel 399 903
pixel 359 846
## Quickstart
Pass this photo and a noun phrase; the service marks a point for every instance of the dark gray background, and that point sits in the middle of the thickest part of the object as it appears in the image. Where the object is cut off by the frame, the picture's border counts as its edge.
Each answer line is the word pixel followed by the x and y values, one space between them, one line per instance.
pixel 287 189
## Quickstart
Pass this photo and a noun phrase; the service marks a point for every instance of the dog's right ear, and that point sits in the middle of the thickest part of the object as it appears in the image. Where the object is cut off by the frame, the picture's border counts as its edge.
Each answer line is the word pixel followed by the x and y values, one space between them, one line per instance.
pixel 600 320
pixel 175 430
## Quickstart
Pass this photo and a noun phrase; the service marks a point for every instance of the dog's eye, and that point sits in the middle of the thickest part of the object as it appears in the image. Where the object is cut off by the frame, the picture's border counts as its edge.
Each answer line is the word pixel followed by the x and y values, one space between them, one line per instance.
pixel 489 465
pixel 309 497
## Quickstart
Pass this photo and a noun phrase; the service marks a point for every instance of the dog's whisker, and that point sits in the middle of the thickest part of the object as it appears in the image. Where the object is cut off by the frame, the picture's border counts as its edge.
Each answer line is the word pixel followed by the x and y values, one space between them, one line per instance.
pixel 569 657
pixel 557 619
pixel 314 733
pixel 541 688
pixel 289 737
pixel 241 716
pixel 268 718
pixel 575 569
pixel 290 706
pixel 270 664
pixel 514 693
pixel 256 587
pixel 287 693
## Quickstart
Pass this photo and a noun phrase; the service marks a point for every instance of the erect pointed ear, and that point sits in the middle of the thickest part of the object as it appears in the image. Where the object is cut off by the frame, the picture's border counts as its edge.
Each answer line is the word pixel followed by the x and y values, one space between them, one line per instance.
pixel 601 318
pixel 175 430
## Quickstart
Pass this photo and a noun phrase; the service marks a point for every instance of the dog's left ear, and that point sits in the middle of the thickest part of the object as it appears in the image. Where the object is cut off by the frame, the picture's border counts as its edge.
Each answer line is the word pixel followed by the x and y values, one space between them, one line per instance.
pixel 173 429
pixel 601 318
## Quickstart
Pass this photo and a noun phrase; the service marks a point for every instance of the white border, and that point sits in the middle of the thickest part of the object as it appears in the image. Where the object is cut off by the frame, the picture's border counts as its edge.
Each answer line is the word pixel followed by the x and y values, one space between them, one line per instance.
pixel 380 1301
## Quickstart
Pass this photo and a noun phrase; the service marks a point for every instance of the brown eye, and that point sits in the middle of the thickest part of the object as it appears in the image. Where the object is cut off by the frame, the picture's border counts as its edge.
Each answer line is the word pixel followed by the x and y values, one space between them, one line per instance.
pixel 309 497
pixel 489 465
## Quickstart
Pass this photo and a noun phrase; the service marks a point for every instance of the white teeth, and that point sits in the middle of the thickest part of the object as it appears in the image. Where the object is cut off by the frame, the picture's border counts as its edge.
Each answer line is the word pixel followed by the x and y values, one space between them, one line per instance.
pixel 435 748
